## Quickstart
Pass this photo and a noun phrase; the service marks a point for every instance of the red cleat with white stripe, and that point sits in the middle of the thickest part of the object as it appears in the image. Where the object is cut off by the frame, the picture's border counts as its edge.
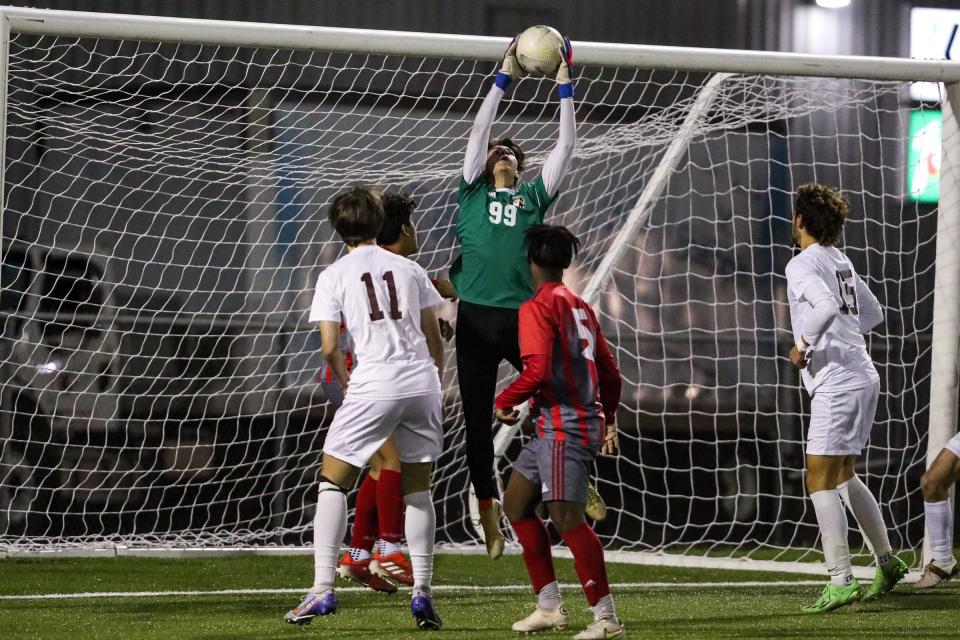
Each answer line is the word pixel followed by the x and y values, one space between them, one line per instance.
pixel 359 572
pixel 394 566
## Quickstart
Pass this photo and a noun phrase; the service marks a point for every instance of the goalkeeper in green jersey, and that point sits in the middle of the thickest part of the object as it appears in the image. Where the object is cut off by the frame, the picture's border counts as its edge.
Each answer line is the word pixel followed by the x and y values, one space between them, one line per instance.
pixel 491 277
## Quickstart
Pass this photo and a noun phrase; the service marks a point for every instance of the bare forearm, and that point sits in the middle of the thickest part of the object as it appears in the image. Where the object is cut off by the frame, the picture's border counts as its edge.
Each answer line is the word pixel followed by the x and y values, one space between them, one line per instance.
pixel 330 348
pixel 431 331
pixel 338 365
pixel 436 352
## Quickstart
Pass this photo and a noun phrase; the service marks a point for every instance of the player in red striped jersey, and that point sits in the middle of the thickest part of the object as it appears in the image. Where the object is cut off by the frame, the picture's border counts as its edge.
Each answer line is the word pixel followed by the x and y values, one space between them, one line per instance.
pixel 572 377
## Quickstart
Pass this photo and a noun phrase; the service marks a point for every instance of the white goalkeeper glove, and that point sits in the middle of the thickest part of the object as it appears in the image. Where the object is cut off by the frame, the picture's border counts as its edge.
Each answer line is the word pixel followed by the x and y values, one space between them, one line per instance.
pixel 510 68
pixel 801 353
pixel 565 75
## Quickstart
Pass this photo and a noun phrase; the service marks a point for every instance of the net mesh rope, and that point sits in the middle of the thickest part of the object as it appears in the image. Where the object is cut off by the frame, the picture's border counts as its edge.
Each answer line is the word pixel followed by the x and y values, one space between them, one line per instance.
pixel 165 222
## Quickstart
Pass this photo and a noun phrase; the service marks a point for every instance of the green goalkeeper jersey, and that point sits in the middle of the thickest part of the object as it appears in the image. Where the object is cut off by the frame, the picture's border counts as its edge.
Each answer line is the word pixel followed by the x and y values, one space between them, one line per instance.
pixel 492 268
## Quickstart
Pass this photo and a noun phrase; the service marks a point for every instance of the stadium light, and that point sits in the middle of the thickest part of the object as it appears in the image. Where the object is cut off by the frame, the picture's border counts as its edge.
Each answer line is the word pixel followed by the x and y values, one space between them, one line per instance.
pixel 48 367
pixel 833 4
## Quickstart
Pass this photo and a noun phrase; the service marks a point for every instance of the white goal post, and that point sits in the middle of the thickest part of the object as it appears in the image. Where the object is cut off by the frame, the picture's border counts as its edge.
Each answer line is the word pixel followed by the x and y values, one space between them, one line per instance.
pixel 163 191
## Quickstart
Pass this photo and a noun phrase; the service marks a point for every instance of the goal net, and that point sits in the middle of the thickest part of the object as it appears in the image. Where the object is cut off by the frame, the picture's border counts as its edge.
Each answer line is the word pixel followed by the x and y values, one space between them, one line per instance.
pixel 165 221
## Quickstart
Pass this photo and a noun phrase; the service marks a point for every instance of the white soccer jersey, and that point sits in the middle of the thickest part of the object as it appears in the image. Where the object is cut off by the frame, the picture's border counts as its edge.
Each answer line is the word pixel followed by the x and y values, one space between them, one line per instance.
pixel 839 360
pixel 378 295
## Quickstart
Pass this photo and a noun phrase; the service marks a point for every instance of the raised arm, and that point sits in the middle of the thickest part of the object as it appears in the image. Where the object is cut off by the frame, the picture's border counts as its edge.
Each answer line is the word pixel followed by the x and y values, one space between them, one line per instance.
pixel 476 156
pixel 870 311
pixel 558 162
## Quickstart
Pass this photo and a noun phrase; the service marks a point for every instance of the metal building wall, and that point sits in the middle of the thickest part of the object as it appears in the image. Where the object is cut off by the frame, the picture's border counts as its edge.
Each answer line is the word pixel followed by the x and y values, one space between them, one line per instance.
pixel 754 24
pixel 866 27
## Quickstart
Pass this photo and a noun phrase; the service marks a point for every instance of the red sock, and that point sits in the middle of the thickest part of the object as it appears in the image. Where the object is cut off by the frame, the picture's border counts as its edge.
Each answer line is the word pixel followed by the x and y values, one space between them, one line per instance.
pixel 390 506
pixel 588 561
pixel 364 532
pixel 533 537
pixel 485 504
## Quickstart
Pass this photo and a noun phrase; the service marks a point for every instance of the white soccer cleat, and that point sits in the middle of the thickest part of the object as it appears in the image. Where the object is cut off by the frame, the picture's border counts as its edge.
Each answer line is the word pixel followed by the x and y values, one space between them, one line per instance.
pixel 602 629
pixel 596 508
pixel 490 521
pixel 935 573
pixel 541 620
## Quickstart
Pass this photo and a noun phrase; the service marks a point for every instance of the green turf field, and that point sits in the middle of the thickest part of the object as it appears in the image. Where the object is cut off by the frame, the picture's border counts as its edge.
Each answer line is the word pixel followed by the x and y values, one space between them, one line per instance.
pixel 729 610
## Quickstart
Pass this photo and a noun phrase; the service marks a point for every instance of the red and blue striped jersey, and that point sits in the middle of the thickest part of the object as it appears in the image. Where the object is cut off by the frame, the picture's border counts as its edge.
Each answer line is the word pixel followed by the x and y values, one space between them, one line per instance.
pixel 568 369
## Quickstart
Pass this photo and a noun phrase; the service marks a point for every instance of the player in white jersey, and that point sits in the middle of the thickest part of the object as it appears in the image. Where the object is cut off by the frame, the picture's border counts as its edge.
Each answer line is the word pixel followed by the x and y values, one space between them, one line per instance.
pixel 938 514
pixel 374 557
pixel 388 304
pixel 830 310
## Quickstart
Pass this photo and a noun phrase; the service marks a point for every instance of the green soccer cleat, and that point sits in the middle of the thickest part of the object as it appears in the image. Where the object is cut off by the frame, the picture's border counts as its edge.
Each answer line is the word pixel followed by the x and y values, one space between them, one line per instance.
pixel 886 579
pixel 833 597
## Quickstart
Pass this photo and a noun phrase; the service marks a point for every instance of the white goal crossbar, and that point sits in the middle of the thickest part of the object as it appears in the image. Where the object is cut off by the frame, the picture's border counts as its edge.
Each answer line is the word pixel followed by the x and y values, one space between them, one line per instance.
pixel 251 34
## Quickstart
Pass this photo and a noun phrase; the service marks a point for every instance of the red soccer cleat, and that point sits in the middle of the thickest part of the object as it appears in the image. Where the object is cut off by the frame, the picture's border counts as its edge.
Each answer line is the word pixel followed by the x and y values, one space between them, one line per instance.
pixel 394 566
pixel 359 572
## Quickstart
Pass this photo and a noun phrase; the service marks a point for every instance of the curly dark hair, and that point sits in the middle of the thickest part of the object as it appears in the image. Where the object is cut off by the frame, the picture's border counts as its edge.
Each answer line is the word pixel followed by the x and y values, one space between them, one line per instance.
pixel 357 214
pixel 397 208
pixel 509 144
pixel 822 210
pixel 550 246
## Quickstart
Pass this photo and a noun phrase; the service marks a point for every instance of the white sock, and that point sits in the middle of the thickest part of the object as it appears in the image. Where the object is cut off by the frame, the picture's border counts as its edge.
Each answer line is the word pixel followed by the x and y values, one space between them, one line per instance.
pixel 833 535
pixel 549 598
pixel 329 527
pixel 866 511
pixel 604 608
pixel 358 555
pixel 938 517
pixel 388 548
pixel 420 528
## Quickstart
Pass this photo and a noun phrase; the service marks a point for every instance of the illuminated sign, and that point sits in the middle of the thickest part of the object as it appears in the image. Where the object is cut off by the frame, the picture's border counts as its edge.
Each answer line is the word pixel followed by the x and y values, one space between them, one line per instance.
pixel 923 156
pixel 931 33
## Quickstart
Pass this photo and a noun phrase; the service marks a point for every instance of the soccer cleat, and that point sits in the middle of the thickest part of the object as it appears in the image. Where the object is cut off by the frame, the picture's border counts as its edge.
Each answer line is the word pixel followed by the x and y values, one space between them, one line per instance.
pixel 935 573
pixel 359 572
pixel 833 597
pixel 596 508
pixel 885 579
pixel 602 629
pixel 542 620
pixel 490 521
pixel 394 566
pixel 421 606
pixel 315 604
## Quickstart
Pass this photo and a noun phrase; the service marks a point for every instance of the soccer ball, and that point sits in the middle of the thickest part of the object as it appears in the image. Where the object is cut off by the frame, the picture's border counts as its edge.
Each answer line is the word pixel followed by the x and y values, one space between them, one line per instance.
pixel 538 50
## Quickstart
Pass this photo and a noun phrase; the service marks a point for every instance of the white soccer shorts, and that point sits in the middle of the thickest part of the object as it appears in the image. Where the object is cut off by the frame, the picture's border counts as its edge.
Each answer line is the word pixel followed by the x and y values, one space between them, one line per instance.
pixel 840 421
pixel 362 425
pixel 953 445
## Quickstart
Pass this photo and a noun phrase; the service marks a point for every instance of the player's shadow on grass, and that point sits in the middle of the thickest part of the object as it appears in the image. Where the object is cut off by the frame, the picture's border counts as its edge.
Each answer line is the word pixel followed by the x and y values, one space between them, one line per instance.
pixel 910 600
